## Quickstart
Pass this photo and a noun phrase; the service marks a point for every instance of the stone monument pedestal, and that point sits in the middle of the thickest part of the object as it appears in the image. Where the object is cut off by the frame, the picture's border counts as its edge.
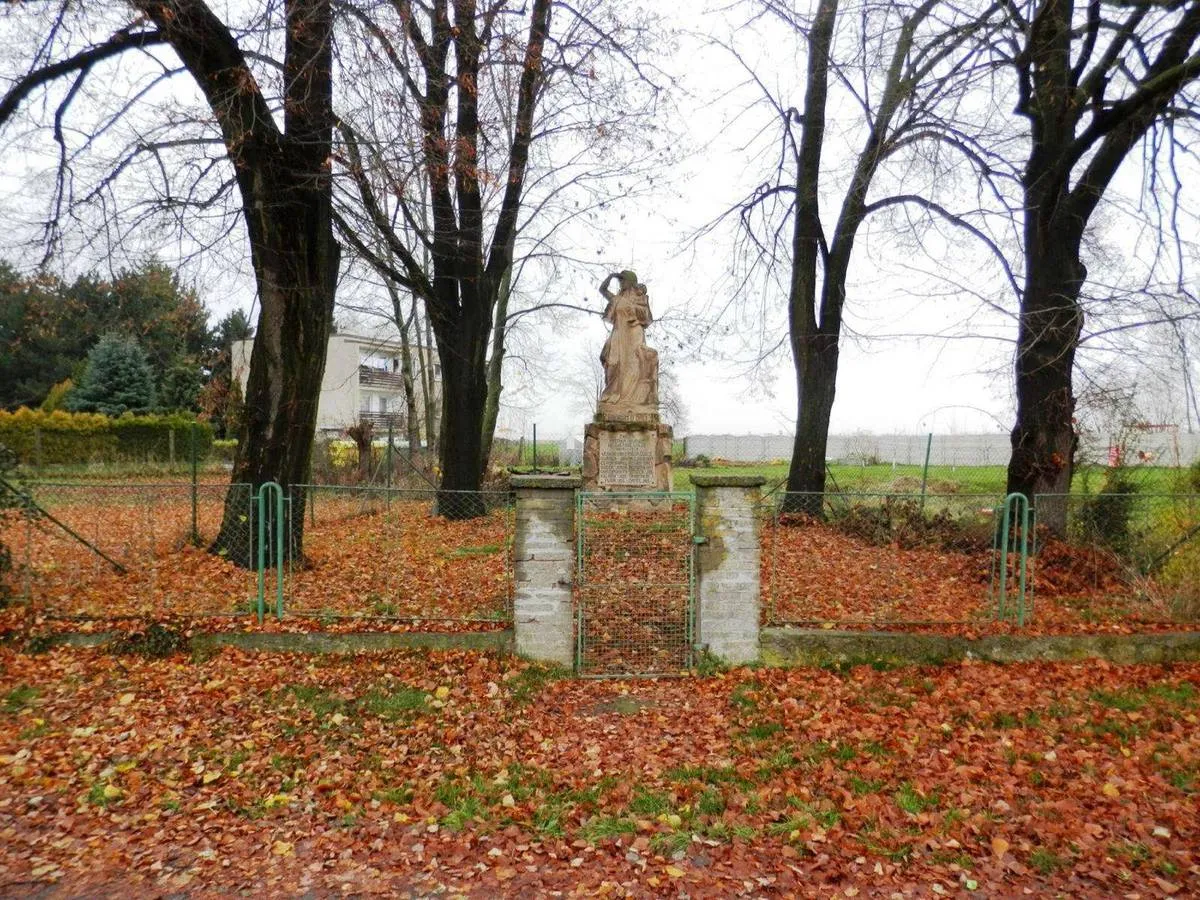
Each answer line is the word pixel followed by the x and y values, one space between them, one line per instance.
pixel 627 455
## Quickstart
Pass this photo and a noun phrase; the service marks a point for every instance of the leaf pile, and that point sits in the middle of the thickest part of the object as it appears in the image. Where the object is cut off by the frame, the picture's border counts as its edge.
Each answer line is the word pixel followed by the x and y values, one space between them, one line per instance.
pixel 404 773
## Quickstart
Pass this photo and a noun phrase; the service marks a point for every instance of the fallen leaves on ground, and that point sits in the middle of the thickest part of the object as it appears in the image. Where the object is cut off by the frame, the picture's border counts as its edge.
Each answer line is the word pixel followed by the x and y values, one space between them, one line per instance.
pixel 815 575
pixel 454 772
pixel 371 560
pixel 390 564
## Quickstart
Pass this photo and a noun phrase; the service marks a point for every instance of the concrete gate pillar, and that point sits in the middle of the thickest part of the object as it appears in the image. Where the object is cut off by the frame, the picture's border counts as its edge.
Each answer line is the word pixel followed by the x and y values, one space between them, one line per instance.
pixel 727 565
pixel 544 567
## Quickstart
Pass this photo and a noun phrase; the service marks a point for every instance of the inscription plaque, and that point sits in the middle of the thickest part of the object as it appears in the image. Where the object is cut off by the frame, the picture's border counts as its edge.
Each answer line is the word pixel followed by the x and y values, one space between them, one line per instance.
pixel 626 460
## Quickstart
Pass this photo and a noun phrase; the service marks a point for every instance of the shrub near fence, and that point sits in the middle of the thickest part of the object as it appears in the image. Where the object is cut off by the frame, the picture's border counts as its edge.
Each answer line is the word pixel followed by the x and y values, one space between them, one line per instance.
pixel 61 438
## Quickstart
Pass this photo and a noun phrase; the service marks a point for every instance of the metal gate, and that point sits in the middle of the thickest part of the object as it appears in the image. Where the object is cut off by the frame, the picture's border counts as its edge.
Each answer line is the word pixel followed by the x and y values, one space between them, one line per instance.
pixel 635 583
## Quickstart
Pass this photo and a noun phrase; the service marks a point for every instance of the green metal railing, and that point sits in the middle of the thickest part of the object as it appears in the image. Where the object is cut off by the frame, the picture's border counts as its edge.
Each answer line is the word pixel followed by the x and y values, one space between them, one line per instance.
pixel 1011 591
pixel 267 515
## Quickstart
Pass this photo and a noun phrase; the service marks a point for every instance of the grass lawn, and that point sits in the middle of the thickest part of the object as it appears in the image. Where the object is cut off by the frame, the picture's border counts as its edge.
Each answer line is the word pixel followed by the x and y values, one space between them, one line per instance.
pixel 941 479
pixel 424 774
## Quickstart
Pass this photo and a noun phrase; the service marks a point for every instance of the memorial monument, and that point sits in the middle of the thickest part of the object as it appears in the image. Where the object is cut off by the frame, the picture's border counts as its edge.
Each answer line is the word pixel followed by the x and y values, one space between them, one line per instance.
pixel 626 447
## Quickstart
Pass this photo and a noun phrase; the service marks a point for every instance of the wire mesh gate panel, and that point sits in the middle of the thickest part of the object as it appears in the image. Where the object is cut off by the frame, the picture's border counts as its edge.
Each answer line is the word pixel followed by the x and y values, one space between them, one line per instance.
pixel 635 583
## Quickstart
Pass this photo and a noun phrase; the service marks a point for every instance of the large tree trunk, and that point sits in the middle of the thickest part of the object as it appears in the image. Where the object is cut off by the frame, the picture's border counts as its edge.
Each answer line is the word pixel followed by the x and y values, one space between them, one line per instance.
pixel 286 187
pixel 287 364
pixel 816 362
pixel 1044 437
pixel 462 350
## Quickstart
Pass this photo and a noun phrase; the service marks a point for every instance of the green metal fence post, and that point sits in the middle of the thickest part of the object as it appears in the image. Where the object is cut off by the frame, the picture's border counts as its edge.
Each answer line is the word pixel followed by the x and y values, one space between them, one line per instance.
pixel 925 470
pixel 1012 537
pixel 389 464
pixel 195 479
pixel 265 491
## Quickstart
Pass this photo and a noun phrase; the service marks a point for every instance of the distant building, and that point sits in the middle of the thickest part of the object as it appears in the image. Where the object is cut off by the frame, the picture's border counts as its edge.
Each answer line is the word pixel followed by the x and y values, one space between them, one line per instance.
pixel 362 382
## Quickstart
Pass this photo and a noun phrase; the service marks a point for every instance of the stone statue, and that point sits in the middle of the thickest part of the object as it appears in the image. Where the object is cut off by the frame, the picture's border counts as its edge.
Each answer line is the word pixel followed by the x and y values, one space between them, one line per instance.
pixel 630 367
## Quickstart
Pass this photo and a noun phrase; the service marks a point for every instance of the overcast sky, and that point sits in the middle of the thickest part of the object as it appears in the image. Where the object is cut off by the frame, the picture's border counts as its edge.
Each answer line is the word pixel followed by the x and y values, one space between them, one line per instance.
pixel 889 379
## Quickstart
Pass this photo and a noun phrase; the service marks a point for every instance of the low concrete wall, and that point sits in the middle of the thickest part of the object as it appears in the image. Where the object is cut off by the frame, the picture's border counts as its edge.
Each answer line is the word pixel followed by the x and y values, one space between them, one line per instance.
pixel 320 641
pixel 816 647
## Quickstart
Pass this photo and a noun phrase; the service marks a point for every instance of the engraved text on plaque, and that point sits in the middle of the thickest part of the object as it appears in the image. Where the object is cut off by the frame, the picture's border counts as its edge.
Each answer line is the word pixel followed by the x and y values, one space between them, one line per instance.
pixel 627 460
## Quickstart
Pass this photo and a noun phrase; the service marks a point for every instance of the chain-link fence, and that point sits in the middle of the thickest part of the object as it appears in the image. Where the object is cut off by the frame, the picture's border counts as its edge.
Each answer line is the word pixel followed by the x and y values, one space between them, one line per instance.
pixel 877 559
pixel 851 559
pixel 635 583
pixel 1100 561
pixel 944 464
pixel 130 550
pixel 115 550
pixel 427 555
pixel 1124 558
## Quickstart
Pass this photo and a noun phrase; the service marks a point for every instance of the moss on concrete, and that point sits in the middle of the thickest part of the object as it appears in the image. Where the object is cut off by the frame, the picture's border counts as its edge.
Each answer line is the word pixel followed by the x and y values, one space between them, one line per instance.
pixel 818 647
pixel 323 642
pixel 719 481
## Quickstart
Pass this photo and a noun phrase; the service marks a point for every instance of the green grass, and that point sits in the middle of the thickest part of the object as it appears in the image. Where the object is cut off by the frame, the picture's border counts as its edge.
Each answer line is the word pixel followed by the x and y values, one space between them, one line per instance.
pixel 602 828
pixel 862 787
pixel 530 681
pixel 670 843
pixel 18 698
pixel 763 731
pixel 885 478
pixel 317 699
pixel 710 803
pixel 707 775
pixel 913 801
pixel 649 803
pixel 740 697
pixel 483 550
pixel 394 703
pixel 1045 861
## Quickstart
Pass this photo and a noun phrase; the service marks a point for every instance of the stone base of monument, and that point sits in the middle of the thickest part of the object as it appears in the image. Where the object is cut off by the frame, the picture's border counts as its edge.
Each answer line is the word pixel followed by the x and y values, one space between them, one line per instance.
pixel 627 456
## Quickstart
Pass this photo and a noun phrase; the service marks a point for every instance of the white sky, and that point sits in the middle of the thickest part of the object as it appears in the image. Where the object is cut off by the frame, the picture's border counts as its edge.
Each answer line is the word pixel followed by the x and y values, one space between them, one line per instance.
pixel 901 384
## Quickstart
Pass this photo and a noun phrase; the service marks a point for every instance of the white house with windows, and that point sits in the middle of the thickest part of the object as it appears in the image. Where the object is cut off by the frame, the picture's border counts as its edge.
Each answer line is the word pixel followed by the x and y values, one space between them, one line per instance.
pixel 362 382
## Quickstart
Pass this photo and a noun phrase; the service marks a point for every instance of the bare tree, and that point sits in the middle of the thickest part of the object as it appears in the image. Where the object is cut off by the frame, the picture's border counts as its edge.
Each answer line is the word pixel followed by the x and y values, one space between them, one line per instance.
pixel 276 153
pixel 452 190
pixel 1093 81
pixel 905 68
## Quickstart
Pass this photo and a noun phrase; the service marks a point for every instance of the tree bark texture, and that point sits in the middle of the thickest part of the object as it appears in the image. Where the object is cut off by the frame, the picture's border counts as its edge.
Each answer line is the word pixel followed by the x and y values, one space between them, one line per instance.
pixel 1088 107
pixel 284 179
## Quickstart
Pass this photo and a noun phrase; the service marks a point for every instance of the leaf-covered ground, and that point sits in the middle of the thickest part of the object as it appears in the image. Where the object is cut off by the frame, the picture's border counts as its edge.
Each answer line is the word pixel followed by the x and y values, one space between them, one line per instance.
pixel 377 560
pixel 406 774
pixel 814 574
pixel 384 563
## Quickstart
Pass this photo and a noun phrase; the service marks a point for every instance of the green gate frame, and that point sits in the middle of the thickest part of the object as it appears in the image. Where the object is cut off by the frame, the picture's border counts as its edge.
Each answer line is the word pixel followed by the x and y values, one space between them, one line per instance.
pixel 1015 525
pixel 694 540
pixel 266 492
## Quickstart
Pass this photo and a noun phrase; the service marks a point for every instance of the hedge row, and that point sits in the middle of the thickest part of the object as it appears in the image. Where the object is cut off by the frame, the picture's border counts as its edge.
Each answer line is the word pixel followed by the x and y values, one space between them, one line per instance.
pixel 63 438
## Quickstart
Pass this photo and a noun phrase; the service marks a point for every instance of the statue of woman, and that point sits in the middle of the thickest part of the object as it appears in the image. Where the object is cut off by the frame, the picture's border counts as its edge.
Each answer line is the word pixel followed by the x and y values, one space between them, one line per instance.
pixel 630 367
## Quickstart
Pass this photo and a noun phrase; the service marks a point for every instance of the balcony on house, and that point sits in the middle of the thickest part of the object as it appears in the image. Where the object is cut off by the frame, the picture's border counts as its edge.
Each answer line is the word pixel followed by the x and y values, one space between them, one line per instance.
pixel 382 420
pixel 379 377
